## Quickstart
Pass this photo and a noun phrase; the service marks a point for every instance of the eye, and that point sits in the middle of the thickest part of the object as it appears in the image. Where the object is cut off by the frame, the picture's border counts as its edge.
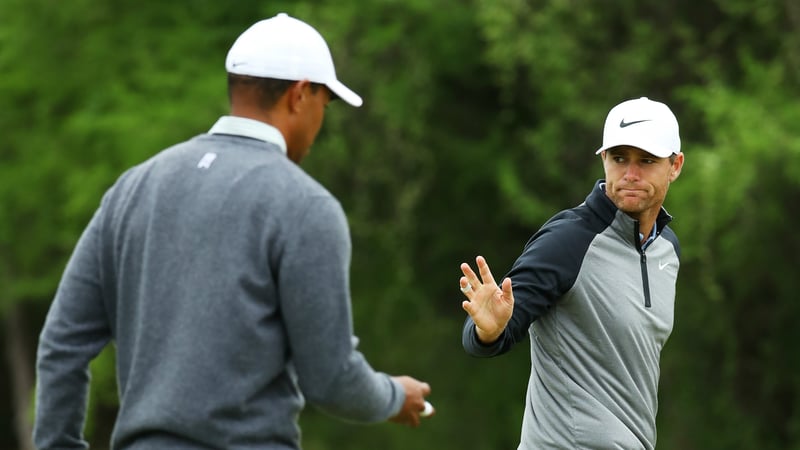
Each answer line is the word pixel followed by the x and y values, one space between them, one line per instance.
pixel 648 161
pixel 618 159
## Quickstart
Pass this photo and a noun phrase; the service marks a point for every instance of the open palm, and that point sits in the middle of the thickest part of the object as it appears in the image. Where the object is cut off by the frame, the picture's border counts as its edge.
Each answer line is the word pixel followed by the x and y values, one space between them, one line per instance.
pixel 489 305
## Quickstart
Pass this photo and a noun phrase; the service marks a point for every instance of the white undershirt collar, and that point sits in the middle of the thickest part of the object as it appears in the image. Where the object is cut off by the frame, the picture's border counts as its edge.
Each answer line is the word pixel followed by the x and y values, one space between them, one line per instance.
pixel 242 126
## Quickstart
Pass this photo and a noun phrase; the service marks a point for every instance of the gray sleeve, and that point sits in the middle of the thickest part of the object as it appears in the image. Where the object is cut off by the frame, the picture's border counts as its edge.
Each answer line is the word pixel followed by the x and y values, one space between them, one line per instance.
pixel 75 330
pixel 315 303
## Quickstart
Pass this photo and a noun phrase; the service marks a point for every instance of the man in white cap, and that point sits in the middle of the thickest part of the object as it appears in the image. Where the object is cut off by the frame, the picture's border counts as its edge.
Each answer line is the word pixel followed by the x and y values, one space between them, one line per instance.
pixel 595 291
pixel 219 269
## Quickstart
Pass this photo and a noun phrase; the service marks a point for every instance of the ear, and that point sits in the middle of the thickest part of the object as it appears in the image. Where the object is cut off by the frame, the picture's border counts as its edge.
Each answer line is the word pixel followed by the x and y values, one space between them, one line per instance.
pixel 297 94
pixel 676 168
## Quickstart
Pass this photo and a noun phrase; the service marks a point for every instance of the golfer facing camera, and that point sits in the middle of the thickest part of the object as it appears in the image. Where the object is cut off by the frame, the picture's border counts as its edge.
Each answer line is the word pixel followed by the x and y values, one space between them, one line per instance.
pixel 594 289
pixel 219 269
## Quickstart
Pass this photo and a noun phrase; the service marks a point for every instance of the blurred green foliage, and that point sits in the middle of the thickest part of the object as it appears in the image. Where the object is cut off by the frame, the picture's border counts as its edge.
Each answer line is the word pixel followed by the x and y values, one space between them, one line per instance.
pixel 480 120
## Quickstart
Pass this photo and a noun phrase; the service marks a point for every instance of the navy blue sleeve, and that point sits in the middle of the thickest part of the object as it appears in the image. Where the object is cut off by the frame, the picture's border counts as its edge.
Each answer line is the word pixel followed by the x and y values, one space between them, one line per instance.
pixel 669 235
pixel 546 269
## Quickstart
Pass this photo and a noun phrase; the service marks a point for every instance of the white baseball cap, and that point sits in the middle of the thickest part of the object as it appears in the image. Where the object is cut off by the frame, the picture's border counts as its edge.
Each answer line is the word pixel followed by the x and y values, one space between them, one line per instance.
pixel 645 124
pixel 286 48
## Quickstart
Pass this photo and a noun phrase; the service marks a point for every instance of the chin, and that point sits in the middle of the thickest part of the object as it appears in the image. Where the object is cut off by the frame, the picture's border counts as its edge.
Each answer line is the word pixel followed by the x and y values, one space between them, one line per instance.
pixel 632 209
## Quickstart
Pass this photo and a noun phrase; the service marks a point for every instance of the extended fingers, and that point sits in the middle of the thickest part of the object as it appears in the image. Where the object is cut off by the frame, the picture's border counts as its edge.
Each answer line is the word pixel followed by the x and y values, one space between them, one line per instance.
pixel 464 285
pixel 469 281
pixel 483 268
pixel 467 271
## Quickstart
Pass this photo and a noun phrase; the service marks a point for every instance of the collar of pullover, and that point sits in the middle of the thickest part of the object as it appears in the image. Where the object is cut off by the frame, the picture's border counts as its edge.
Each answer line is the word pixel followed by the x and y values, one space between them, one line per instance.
pixel 241 126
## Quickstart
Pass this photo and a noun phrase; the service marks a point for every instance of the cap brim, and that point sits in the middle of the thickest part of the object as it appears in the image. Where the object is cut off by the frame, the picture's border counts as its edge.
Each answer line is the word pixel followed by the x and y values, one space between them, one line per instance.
pixel 660 153
pixel 344 93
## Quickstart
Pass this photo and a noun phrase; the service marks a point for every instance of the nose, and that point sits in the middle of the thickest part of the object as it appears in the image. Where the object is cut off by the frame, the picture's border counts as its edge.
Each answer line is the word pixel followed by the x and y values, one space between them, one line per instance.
pixel 632 172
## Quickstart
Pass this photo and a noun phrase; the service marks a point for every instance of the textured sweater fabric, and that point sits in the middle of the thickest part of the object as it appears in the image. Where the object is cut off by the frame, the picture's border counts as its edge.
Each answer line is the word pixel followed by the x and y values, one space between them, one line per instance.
pixel 598 310
pixel 220 270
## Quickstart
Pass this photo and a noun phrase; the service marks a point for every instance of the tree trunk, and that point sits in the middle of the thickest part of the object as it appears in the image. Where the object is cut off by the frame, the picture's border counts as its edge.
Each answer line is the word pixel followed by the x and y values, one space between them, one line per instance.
pixel 21 374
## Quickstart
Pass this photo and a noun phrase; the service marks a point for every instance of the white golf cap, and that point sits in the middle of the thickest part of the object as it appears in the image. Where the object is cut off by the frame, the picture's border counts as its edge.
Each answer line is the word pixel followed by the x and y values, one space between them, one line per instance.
pixel 285 48
pixel 645 124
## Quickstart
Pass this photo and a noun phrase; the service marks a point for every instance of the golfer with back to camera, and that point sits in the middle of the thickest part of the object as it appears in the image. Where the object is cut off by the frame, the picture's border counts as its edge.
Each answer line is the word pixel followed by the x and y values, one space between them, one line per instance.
pixel 219 269
pixel 594 289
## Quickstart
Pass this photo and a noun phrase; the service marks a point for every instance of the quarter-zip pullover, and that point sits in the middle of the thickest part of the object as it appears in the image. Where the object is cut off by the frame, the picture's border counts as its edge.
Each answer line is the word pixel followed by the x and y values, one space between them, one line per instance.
pixel 598 309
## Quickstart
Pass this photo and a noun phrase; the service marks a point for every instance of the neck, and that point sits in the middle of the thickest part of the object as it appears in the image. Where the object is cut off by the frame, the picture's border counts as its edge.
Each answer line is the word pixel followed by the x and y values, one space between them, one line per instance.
pixel 646 225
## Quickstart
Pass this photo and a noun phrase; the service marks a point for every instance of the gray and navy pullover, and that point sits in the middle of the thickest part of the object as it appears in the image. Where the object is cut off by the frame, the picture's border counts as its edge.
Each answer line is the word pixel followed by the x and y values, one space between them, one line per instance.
pixel 220 270
pixel 598 309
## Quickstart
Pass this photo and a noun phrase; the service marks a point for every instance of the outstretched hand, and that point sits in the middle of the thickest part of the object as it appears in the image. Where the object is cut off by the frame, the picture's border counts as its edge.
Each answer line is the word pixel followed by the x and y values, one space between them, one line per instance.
pixel 489 305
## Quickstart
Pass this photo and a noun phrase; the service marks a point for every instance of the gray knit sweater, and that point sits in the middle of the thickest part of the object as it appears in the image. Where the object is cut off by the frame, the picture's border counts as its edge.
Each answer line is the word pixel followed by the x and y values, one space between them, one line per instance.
pixel 219 269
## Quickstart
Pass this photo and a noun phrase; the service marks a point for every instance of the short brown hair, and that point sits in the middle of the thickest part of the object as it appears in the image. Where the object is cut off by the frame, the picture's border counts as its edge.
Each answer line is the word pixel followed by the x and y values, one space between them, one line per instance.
pixel 268 90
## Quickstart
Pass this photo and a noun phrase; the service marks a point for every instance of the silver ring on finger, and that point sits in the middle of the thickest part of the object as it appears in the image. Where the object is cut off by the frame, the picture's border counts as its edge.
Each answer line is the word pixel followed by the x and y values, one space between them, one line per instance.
pixel 466 288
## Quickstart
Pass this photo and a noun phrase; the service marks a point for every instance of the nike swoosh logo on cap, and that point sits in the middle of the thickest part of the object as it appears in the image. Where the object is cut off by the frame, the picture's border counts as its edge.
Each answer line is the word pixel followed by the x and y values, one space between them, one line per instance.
pixel 623 124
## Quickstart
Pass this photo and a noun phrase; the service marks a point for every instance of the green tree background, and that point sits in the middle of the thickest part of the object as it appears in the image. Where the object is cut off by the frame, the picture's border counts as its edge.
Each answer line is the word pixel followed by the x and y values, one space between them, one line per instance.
pixel 480 121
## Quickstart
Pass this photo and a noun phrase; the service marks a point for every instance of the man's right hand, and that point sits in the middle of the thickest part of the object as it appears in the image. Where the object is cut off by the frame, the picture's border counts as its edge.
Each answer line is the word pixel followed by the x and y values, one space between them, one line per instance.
pixel 489 306
pixel 415 400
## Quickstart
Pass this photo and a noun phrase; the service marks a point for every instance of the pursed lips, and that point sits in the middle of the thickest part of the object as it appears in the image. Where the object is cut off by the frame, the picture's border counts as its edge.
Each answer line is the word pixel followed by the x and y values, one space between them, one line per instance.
pixel 629 191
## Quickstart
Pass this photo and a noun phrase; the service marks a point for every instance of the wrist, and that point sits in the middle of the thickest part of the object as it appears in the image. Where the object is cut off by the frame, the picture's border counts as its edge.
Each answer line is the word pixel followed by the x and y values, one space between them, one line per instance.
pixel 485 337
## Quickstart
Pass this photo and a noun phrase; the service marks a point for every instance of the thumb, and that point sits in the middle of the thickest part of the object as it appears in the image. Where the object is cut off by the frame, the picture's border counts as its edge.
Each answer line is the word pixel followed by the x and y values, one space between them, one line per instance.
pixel 507 291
